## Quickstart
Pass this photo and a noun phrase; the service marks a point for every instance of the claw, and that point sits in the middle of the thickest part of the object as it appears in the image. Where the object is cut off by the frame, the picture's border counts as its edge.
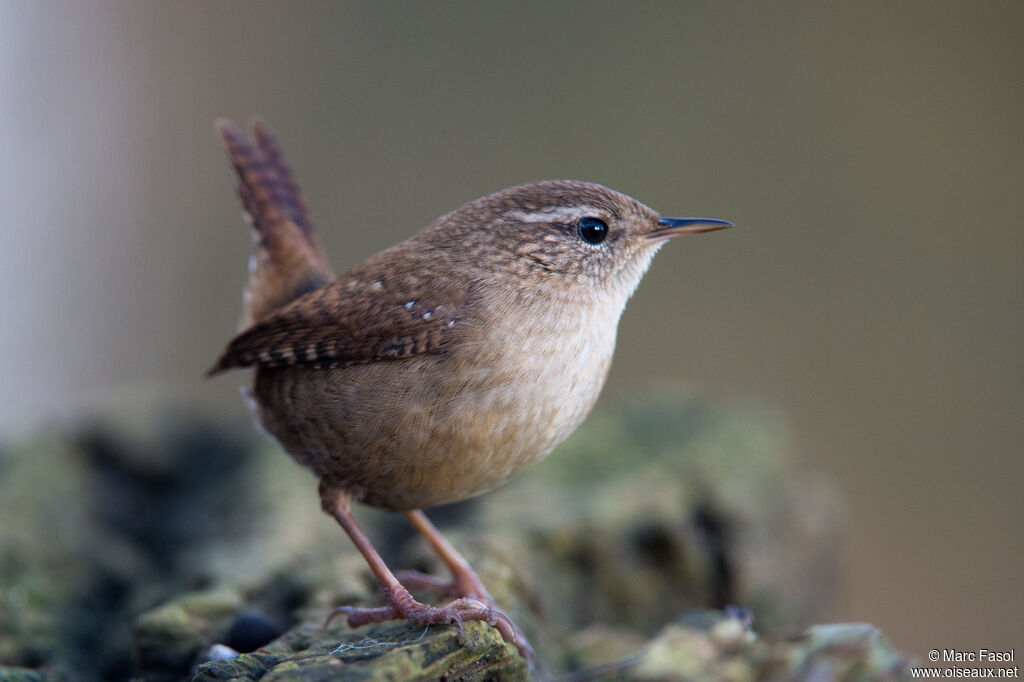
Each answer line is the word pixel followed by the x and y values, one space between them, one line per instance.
pixel 334 614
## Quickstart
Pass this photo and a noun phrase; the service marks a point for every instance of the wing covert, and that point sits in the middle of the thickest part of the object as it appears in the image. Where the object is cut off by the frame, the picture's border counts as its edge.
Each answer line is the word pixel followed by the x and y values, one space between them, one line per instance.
pixel 350 321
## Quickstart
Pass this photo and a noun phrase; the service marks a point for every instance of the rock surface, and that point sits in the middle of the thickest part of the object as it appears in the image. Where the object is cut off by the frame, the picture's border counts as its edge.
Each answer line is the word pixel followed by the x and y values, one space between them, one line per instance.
pixel 703 645
pixel 656 507
pixel 396 651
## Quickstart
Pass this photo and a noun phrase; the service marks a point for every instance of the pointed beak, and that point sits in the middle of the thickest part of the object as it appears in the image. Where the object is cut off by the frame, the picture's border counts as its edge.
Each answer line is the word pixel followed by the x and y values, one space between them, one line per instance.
pixel 675 227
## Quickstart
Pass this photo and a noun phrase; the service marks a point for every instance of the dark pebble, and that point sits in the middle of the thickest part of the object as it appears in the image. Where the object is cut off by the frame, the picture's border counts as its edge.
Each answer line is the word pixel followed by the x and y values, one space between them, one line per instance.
pixel 250 631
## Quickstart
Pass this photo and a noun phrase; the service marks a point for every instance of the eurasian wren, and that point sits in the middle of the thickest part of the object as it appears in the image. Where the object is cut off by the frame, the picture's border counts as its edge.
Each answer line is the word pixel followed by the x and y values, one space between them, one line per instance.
pixel 443 366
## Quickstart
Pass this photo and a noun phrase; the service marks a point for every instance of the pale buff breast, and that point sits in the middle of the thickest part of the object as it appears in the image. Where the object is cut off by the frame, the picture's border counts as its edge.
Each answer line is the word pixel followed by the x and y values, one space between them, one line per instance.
pixel 426 431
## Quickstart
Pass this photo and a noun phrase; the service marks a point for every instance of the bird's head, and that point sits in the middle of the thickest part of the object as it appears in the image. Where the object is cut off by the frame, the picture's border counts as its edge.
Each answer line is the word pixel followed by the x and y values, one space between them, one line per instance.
pixel 564 234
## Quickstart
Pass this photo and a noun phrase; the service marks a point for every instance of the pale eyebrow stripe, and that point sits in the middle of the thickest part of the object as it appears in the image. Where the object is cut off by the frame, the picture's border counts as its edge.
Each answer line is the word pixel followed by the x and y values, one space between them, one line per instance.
pixel 557 214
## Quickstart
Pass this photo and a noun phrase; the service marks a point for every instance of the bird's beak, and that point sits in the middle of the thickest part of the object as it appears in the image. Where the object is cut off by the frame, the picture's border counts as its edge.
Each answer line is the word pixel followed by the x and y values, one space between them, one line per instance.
pixel 675 227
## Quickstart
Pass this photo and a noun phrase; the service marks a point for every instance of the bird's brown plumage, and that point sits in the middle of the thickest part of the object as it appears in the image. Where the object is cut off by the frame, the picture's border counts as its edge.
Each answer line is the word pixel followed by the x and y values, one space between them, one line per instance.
pixel 371 313
pixel 442 366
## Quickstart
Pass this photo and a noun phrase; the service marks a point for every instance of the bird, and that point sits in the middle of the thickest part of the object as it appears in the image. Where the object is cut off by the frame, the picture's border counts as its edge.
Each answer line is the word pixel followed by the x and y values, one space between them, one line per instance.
pixel 438 368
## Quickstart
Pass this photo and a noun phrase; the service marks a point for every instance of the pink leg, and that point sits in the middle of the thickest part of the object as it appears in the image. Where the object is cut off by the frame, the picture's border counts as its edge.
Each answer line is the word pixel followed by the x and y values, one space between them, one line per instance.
pixel 401 605
pixel 465 583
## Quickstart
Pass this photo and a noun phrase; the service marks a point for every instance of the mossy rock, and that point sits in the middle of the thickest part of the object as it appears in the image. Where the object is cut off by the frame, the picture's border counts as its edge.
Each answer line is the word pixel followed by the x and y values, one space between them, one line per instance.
pixel 712 647
pixel 656 506
pixel 388 652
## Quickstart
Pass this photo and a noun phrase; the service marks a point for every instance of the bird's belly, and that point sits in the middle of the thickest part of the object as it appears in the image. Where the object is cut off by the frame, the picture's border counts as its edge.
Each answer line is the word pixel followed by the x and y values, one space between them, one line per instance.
pixel 514 420
pixel 415 434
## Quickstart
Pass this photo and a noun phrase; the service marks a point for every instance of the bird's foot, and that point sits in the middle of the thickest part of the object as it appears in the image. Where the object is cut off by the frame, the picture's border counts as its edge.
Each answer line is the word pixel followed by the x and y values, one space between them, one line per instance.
pixel 467 588
pixel 402 606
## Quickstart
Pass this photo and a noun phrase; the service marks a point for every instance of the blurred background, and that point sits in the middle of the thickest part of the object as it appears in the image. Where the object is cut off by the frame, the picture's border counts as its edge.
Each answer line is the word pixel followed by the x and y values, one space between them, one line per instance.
pixel 871 153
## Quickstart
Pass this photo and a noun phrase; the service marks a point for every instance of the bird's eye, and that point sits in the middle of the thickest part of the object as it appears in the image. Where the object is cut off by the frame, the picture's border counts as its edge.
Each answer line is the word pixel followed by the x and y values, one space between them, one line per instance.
pixel 592 230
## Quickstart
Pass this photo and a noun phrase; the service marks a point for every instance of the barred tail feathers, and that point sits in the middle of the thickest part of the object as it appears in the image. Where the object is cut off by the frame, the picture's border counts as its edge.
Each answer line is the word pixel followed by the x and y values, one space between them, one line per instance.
pixel 287 258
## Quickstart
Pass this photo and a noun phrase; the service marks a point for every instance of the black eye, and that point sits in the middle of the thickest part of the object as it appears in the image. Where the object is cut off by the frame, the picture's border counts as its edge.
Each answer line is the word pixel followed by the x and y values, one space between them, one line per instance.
pixel 592 230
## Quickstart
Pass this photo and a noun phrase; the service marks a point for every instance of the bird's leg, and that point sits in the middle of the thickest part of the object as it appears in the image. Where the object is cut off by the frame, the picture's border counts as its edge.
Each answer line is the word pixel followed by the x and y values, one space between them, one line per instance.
pixel 401 605
pixel 465 584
